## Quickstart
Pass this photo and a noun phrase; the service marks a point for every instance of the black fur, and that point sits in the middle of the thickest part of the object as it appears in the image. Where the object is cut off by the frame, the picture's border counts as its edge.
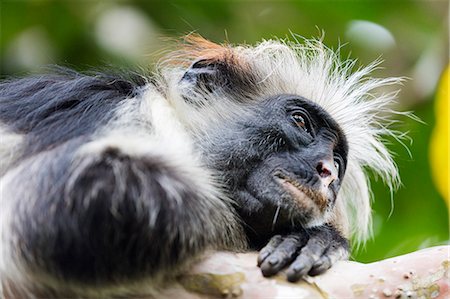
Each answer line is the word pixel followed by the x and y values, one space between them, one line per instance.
pixel 64 102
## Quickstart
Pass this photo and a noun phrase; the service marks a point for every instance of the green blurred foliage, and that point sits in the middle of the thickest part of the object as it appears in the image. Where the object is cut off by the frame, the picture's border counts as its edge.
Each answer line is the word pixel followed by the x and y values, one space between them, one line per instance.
pixel 418 217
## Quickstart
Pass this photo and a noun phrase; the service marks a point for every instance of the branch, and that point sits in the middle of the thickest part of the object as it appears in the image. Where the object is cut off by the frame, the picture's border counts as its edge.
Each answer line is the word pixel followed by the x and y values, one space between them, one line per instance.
pixel 421 274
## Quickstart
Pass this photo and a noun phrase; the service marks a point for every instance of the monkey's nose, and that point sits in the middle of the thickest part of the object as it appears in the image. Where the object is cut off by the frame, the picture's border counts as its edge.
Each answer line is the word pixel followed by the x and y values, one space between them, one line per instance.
pixel 327 172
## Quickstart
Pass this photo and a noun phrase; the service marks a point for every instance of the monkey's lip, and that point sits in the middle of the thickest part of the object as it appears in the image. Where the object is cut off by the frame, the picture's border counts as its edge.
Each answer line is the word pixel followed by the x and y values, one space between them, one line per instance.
pixel 299 192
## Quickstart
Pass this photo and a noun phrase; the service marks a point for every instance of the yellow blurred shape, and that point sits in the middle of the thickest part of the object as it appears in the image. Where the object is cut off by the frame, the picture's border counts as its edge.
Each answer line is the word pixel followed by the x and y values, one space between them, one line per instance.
pixel 439 144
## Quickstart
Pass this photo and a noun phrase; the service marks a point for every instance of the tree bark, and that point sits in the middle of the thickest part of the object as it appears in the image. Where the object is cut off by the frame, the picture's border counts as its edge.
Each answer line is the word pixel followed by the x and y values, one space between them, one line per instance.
pixel 421 274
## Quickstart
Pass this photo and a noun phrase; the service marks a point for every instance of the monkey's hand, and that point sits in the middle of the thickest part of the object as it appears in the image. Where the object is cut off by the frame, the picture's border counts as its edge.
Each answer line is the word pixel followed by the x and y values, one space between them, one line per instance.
pixel 311 251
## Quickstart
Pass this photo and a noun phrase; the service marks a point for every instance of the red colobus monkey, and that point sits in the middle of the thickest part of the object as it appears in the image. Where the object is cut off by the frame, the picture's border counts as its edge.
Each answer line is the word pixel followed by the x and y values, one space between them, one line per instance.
pixel 111 183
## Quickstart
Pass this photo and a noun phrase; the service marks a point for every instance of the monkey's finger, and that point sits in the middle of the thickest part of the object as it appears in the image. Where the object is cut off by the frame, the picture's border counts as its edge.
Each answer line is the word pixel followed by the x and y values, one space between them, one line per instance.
pixel 269 248
pixel 308 256
pixel 281 256
pixel 321 265
pixel 328 259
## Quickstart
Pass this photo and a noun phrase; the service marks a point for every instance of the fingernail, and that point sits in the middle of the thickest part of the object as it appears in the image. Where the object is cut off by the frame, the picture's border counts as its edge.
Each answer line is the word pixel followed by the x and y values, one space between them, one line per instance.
pixel 263 255
pixel 293 277
pixel 261 258
pixel 297 267
pixel 273 260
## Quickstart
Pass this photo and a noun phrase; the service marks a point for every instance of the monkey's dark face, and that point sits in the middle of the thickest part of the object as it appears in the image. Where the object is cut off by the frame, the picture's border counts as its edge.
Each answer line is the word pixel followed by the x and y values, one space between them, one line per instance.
pixel 283 163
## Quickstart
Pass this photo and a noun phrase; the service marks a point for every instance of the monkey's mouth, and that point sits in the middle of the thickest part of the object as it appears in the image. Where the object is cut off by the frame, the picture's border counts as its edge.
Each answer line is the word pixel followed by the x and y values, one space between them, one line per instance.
pixel 299 192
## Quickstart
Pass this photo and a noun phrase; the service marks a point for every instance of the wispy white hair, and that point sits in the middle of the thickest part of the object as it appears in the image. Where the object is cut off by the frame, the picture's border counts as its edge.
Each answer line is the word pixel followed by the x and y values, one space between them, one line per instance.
pixel 359 103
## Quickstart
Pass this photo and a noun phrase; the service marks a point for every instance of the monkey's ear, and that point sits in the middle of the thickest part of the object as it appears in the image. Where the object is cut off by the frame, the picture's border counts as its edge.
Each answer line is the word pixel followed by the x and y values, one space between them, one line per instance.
pixel 207 75
pixel 216 68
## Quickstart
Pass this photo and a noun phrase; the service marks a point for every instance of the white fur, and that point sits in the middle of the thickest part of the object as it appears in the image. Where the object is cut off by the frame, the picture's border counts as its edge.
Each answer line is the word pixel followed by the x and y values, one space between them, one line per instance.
pixel 9 146
pixel 149 127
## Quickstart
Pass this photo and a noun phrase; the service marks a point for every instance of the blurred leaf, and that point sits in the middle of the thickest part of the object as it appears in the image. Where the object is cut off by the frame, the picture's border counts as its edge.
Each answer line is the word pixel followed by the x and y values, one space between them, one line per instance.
pixel 439 149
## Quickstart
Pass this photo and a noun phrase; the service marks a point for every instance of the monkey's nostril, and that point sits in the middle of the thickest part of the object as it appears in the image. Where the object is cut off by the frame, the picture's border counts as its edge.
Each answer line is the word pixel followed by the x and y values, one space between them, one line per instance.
pixel 322 170
pixel 327 172
pixel 325 169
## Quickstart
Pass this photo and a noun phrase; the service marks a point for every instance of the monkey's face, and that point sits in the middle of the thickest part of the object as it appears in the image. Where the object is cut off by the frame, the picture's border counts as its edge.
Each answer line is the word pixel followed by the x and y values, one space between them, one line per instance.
pixel 305 154
pixel 283 161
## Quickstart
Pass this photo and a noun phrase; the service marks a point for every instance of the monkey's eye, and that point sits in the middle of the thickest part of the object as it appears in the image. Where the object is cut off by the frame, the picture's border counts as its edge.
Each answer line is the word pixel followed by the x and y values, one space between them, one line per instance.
pixel 338 162
pixel 301 120
pixel 336 165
